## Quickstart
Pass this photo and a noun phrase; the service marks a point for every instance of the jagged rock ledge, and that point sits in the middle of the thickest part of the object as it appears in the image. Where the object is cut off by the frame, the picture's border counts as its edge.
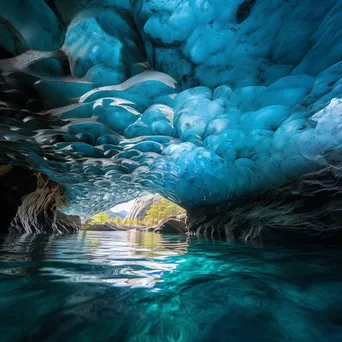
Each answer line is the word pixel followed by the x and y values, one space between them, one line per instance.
pixel 172 225
pixel 30 203
pixel 307 211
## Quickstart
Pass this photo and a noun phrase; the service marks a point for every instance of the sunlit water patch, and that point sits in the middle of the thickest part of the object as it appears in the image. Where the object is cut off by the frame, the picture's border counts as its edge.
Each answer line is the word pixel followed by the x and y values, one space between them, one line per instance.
pixel 130 286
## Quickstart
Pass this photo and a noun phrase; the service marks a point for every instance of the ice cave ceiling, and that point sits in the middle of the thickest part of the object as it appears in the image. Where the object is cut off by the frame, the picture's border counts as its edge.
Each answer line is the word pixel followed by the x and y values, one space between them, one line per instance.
pixel 203 101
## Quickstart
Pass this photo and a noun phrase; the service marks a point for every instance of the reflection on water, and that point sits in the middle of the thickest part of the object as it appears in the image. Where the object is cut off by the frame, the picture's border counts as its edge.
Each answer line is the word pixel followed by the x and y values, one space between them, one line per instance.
pixel 131 286
pixel 124 259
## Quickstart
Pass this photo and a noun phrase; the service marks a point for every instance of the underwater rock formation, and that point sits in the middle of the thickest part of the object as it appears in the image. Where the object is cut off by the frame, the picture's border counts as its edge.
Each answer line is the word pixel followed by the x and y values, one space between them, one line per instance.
pixel 203 102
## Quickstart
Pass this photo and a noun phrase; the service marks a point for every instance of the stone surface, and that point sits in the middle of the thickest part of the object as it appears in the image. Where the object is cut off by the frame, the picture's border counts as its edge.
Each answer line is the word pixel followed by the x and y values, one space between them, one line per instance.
pixel 307 211
pixel 15 183
pixel 173 225
pixel 141 205
pixel 38 211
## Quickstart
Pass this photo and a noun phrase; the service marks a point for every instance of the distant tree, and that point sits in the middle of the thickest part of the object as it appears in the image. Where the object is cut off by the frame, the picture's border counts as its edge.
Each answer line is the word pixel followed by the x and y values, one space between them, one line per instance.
pixel 117 220
pixel 160 210
pixel 99 218
pixel 131 222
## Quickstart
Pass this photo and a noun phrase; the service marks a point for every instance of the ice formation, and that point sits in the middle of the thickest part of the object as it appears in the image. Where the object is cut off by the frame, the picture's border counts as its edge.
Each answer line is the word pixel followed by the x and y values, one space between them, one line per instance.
pixel 201 101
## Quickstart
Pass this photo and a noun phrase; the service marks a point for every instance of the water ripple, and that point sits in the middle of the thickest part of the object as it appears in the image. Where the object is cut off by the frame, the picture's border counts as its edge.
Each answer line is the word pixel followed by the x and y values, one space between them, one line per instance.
pixel 131 286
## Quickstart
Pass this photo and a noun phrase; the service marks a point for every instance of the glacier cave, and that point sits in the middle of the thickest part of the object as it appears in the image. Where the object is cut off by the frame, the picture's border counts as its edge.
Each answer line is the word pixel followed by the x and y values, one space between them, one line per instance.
pixel 233 107
pixel 171 170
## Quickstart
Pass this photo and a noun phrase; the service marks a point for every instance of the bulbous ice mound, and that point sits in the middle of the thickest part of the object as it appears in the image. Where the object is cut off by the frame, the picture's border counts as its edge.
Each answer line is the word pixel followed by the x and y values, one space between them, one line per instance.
pixel 201 101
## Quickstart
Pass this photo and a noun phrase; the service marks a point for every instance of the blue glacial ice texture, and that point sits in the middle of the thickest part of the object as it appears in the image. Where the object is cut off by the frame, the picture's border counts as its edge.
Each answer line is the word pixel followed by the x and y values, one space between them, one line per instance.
pixel 201 101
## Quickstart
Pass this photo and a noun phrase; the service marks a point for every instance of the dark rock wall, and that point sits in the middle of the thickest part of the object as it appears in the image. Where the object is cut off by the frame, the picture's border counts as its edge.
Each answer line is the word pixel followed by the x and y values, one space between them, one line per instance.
pixel 15 183
pixel 29 203
pixel 38 211
pixel 309 210
pixel 173 225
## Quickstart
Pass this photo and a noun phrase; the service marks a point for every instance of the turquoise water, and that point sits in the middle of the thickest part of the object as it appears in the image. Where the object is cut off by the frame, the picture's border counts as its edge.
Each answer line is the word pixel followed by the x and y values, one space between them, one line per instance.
pixel 130 286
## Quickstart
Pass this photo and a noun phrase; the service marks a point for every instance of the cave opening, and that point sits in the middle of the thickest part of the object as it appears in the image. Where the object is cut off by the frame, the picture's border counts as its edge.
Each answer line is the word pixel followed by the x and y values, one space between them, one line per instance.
pixel 151 212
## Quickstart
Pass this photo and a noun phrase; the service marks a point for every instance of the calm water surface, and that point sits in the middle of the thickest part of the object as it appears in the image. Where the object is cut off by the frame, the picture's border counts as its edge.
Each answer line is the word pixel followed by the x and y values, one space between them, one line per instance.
pixel 130 286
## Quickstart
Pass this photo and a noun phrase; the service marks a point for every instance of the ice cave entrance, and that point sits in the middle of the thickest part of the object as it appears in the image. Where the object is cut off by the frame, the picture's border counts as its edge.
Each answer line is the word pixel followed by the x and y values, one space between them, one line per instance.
pixel 143 212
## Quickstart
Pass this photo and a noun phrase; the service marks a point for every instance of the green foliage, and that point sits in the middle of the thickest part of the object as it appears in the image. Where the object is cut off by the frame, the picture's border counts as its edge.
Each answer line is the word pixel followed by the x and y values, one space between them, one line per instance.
pixel 117 220
pixel 160 210
pixel 99 218
pixel 135 223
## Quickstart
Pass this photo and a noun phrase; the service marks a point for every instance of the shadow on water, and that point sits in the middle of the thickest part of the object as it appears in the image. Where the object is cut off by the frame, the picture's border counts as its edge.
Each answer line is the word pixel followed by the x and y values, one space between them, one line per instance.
pixel 131 286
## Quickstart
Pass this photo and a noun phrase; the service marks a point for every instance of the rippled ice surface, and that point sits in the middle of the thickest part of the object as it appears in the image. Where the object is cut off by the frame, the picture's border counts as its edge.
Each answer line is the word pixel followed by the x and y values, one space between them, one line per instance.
pixel 130 286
